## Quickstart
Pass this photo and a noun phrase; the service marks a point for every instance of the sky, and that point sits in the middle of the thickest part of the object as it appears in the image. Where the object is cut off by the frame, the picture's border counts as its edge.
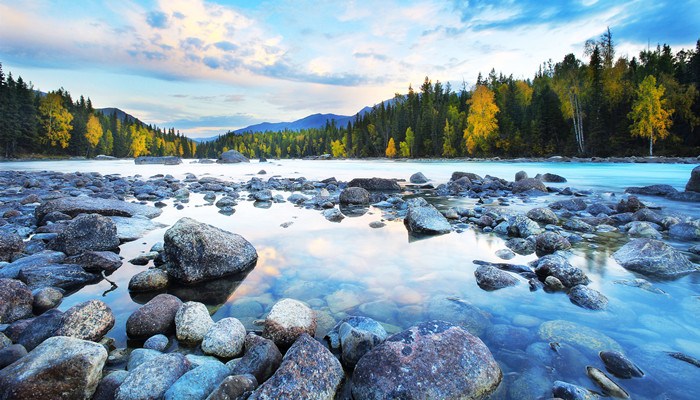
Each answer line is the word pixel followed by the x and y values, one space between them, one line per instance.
pixel 208 66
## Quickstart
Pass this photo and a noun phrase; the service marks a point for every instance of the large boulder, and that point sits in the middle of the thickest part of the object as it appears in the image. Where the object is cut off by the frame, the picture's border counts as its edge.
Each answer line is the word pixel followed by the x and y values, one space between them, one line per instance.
pixel 426 220
pixel 231 157
pixel 150 380
pixel 288 320
pixel 10 245
pixel 261 358
pixel 418 178
pixel 61 367
pixel 90 205
pixel 693 184
pixel 15 301
pixel 526 184
pixel 308 371
pixel 354 196
pixel 375 184
pixel 654 259
pixel 90 232
pixel 354 336
pixel 434 360
pixel 156 316
pixel 197 252
pixel 90 320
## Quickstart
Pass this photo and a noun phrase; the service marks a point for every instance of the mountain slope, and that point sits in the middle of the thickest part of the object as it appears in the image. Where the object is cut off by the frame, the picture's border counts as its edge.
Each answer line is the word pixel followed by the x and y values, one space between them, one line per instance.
pixel 121 115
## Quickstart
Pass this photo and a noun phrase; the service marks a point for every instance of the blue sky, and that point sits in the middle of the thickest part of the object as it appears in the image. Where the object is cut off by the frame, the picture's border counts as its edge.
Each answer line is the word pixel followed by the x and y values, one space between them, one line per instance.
pixel 205 66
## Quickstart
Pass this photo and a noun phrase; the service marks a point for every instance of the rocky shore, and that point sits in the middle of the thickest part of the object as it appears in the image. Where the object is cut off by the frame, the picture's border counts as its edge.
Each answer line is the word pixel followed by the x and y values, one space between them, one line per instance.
pixel 62 231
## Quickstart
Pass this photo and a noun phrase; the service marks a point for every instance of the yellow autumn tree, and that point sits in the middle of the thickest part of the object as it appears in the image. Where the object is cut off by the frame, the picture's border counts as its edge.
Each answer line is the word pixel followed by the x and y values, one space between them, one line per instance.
pixel 93 133
pixel 650 115
pixel 448 149
pixel 404 151
pixel 138 145
pixel 55 120
pixel 391 149
pixel 481 120
pixel 337 148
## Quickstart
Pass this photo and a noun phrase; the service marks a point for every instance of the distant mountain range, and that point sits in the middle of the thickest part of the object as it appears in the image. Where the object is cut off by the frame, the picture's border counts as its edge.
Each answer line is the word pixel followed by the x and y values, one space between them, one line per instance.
pixel 121 115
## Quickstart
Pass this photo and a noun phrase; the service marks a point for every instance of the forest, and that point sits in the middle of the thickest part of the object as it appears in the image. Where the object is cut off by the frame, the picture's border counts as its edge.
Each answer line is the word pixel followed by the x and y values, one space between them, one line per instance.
pixel 36 124
pixel 607 106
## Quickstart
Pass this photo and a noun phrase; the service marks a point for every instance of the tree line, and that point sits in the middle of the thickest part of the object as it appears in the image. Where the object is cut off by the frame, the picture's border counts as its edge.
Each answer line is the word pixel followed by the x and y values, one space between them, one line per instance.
pixel 604 106
pixel 52 124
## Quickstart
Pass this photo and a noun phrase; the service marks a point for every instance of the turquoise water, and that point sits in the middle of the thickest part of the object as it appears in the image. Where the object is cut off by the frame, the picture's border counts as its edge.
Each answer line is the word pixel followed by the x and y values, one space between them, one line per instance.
pixel 348 268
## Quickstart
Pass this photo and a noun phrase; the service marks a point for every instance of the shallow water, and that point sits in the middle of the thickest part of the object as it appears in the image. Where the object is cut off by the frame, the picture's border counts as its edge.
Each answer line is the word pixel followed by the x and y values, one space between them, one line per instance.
pixel 348 268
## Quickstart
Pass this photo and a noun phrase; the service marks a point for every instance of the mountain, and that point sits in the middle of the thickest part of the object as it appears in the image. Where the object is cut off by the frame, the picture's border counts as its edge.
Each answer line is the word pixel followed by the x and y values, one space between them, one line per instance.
pixel 121 115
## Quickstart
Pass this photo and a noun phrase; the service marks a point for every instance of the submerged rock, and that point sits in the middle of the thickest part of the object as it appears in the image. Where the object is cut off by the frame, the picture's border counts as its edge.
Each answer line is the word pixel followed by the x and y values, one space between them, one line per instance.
pixel 654 259
pixel 576 335
pixel 585 297
pixel 430 361
pixel 568 391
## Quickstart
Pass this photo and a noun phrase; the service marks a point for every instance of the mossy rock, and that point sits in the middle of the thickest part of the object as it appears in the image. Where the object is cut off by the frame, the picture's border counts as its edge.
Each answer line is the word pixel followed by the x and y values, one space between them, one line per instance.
pixel 576 335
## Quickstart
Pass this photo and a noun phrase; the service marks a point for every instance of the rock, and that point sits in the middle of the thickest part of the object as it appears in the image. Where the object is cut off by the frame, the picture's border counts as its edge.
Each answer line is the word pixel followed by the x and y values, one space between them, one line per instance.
pixel 550 242
pixel 156 316
pixel 15 301
pixel 89 205
pixel 90 320
pixel 693 184
pixel 518 226
pixel 505 254
pixel 576 335
pixel 192 321
pixel 233 387
pixel 85 233
pixel 547 177
pixel 526 184
pixel 261 358
pixel 198 252
pixel 157 342
pixel 62 276
pixel 226 201
pixel 604 382
pixel 374 184
pixel 130 229
pixel 457 175
pixel 685 232
pixel 426 220
pixel 617 364
pixel 140 356
pixel 598 208
pixel 642 229
pixel 521 246
pixel 96 261
pixel 354 336
pixel 308 371
pixel 10 245
pixel 333 215
pixel 288 320
pixel 577 225
pixel 432 360
pixel 632 204
pixel 520 175
pixel 40 329
pixel 10 354
pixel 167 160
pixel 418 178
pixel 652 190
pixel 571 205
pixel 42 374
pixel 107 389
pixel 149 280
pixel 4 341
pixel 585 297
pixel 198 383
pixel 354 195
pixel 559 267
pixel 567 391
pixel 39 259
pixel 224 339
pixel 654 259
pixel 554 284
pixel 231 157
pixel 263 195
pixel 491 278
pixel 150 380
pixel 543 215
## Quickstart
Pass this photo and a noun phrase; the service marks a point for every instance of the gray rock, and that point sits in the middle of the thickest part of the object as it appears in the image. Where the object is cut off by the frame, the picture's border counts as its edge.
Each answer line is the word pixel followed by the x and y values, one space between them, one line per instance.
pixel 198 383
pixel 149 280
pixel 418 178
pixel 261 358
pixel 10 354
pixel 263 195
pixel 10 245
pixel 4 341
pixel 521 246
pixel 632 204
pixel 226 201
pixel 617 364
pixel 15 301
pixel 333 215
pixel 553 283
pixel 62 276
pixel 547 177
pixel 354 336
pixel 684 232
pixel 642 229
pixel 491 278
pixel 354 195
pixel 571 205
pixel 549 242
pixel 426 220
pixel 225 338
pixel 233 387
pixel 585 297
pixel 41 374
pixel 459 312
pixel 156 316
pixel 520 175
pixel 192 321
pixel 543 215
pixel 526 184
pixel 693 184
pixel 96 261
pixel 157 342
pixel 559 267
pixel 654 259
pixel 231 157
pixel 39 259
pixel 308 371
pixel 140 356
pixel 89 205
pixel 457 175
pixel 198 252
pixel 150 380
pixel 432 360
pixel 90 320
pixel 136 227
pixel 577 225
pixel 568 391
pixel 598 208
pixel 167 160
pixel 86 233
pixel 375 184
pixel 505 254
pixel 107 389
pixel 288 319
pixel 40 329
